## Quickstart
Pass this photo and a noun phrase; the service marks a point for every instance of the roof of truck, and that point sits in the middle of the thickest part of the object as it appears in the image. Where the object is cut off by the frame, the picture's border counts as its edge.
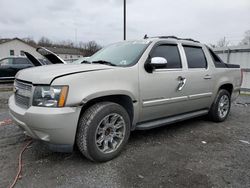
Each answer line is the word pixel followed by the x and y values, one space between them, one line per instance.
pixel 173 39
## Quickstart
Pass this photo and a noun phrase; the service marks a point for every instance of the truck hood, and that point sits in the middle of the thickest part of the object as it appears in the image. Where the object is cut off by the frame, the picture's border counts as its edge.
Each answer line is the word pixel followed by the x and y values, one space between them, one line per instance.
pixel 46 74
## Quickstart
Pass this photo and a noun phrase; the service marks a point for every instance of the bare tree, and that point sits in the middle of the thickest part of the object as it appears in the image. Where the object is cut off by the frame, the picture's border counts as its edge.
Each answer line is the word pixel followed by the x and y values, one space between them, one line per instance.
pixel 30 41
pixel 246 39
pixel 65 44
pixel 211 45
pixel 222 42
pixel 90 47
pixel 45 42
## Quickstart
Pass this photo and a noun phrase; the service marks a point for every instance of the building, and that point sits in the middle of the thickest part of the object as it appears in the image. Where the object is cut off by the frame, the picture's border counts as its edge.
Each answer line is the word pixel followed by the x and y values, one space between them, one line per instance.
pixel 15 46
pixel 238 55
pixel 67 54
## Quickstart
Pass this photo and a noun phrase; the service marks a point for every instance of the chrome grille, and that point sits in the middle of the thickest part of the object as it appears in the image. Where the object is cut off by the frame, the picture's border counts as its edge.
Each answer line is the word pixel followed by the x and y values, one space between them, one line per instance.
pixel 23 93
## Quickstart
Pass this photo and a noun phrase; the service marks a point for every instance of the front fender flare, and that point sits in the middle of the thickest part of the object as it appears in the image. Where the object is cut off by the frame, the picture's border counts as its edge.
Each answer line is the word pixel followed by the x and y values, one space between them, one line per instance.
pixel 108 93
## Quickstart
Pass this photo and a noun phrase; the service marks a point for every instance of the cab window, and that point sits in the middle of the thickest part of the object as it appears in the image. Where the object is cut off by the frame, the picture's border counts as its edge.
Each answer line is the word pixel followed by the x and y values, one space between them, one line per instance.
pixel 170 53
pixel 195 57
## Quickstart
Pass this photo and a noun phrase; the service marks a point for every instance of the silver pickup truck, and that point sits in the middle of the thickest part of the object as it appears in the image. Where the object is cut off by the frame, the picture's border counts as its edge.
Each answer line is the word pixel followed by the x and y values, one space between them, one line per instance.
pixel 126 86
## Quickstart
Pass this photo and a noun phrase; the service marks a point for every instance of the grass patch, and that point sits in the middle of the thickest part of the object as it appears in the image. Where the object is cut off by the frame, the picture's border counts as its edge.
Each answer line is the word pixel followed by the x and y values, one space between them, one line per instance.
pixel 245 94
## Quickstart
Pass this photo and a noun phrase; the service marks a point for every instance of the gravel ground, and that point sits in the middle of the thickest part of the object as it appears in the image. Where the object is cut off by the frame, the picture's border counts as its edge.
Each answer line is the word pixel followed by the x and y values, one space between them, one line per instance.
pixel 193 153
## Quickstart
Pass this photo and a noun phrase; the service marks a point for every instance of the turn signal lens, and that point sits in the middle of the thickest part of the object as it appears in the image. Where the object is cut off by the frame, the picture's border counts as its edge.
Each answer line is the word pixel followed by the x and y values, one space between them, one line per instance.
pixel 63 96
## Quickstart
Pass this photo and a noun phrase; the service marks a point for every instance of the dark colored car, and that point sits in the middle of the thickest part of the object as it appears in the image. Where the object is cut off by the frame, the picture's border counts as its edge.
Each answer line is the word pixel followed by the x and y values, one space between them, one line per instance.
pixel 11 65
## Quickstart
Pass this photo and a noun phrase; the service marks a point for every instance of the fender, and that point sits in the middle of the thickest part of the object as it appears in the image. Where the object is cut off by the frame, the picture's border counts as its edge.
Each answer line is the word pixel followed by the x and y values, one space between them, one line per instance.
pixel 108 93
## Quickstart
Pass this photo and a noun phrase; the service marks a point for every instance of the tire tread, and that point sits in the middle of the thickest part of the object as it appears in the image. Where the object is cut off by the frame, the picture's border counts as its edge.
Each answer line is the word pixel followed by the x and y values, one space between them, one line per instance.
pixel 213 112
pixel 84 125
pixel 85 128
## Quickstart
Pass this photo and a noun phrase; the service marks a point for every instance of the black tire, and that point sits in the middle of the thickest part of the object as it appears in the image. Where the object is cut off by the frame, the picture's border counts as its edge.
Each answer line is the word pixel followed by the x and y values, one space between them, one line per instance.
pixel 88 125
pixel 214 113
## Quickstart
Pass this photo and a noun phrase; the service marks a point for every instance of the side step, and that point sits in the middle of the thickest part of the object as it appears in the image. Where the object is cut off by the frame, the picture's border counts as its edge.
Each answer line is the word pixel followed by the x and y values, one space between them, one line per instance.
pixel 169 120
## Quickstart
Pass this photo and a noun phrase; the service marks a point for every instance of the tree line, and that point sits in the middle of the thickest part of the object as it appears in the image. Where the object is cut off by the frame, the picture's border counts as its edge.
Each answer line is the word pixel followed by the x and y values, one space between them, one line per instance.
pixel 88 48
pixel 224 42
pixel 91 46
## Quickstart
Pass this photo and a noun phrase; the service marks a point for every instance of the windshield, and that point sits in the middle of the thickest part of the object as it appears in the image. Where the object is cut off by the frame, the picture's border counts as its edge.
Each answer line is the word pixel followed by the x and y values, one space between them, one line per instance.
pixel 120 54
pixel 79 61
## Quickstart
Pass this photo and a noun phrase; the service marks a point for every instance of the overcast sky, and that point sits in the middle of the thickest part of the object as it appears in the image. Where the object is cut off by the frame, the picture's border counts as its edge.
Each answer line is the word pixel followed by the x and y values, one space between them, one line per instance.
pixel 102 20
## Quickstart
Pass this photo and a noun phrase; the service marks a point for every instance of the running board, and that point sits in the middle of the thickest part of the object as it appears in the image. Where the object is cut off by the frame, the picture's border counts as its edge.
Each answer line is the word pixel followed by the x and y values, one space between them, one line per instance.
pixel 169 120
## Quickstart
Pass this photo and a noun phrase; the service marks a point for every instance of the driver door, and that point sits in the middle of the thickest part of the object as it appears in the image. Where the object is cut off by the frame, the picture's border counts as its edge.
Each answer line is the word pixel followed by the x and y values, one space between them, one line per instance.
pixel 159 90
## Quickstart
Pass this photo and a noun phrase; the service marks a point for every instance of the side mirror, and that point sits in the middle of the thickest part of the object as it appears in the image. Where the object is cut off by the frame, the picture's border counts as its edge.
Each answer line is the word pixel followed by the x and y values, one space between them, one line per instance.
pixel 154 63
pixel 158 62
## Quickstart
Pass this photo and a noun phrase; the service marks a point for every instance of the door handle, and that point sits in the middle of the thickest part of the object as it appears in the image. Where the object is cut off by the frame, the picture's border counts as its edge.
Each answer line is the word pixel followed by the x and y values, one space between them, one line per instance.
pixel 182 82
pixel 207 77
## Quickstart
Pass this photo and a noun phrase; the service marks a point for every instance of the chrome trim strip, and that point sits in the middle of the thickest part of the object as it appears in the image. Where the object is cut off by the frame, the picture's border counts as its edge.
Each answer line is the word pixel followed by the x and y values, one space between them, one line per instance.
pixel 154 102
pixel 200 95
pixel 164 101
pixel 165 70
pixel 7 77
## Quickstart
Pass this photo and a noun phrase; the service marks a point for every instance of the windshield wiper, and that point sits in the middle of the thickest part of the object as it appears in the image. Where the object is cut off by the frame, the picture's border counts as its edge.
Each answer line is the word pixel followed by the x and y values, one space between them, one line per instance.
pixel 104 62
pixel 85 61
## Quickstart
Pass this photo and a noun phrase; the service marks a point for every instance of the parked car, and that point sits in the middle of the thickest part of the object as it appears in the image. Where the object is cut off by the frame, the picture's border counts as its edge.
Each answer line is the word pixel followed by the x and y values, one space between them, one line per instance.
pixel 130 85
pixel 11 65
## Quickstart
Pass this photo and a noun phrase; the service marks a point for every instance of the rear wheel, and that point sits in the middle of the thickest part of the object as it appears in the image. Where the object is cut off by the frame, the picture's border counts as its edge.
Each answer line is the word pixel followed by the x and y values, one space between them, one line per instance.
pixel 103 131
pixel 221 106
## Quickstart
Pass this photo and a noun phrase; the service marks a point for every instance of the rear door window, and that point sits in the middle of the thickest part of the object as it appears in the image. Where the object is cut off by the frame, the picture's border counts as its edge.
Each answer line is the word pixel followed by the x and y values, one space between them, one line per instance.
pixel 7 61
pixel 22 61
pixel 170 53
pixel 195 57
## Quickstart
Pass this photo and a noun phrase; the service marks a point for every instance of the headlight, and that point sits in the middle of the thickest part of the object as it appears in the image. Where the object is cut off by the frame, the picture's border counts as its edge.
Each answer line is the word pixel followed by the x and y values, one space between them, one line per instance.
pixel 50 96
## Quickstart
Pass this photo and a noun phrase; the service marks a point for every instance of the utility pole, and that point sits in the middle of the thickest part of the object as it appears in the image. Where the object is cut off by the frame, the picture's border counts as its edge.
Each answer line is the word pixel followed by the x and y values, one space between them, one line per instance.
pixel 124 21
pixel 76 37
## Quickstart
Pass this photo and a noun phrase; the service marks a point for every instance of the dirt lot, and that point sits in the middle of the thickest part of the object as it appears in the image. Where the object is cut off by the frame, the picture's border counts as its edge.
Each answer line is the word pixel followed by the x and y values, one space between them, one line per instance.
pixel 194 153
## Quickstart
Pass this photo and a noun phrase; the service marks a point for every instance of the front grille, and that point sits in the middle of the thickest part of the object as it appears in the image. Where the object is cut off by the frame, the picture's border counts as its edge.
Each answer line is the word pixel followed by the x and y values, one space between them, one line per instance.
pixel 23 93
pixel 22 101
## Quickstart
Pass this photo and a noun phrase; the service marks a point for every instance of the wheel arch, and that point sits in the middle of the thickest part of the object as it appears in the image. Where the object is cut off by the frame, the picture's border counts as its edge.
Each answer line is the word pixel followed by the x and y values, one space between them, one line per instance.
pixel 124 100
pixel 227 86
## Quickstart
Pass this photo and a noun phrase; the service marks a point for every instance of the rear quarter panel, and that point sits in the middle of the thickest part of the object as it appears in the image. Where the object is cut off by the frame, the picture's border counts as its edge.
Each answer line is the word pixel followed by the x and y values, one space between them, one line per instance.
pixel 227 76
pixel 221 76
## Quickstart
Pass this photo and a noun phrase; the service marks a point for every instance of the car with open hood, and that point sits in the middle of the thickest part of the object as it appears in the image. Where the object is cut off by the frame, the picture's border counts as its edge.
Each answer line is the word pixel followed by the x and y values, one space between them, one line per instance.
pixel 11 65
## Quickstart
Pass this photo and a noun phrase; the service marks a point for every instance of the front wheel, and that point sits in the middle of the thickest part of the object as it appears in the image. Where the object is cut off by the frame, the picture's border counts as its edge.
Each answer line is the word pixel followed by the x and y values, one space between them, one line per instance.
pixel 221 106
pixel 103 131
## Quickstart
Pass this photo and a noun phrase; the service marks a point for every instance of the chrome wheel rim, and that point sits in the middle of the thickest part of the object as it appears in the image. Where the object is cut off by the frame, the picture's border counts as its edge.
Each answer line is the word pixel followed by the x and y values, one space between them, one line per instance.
pixel 223 107
pixel 110 133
